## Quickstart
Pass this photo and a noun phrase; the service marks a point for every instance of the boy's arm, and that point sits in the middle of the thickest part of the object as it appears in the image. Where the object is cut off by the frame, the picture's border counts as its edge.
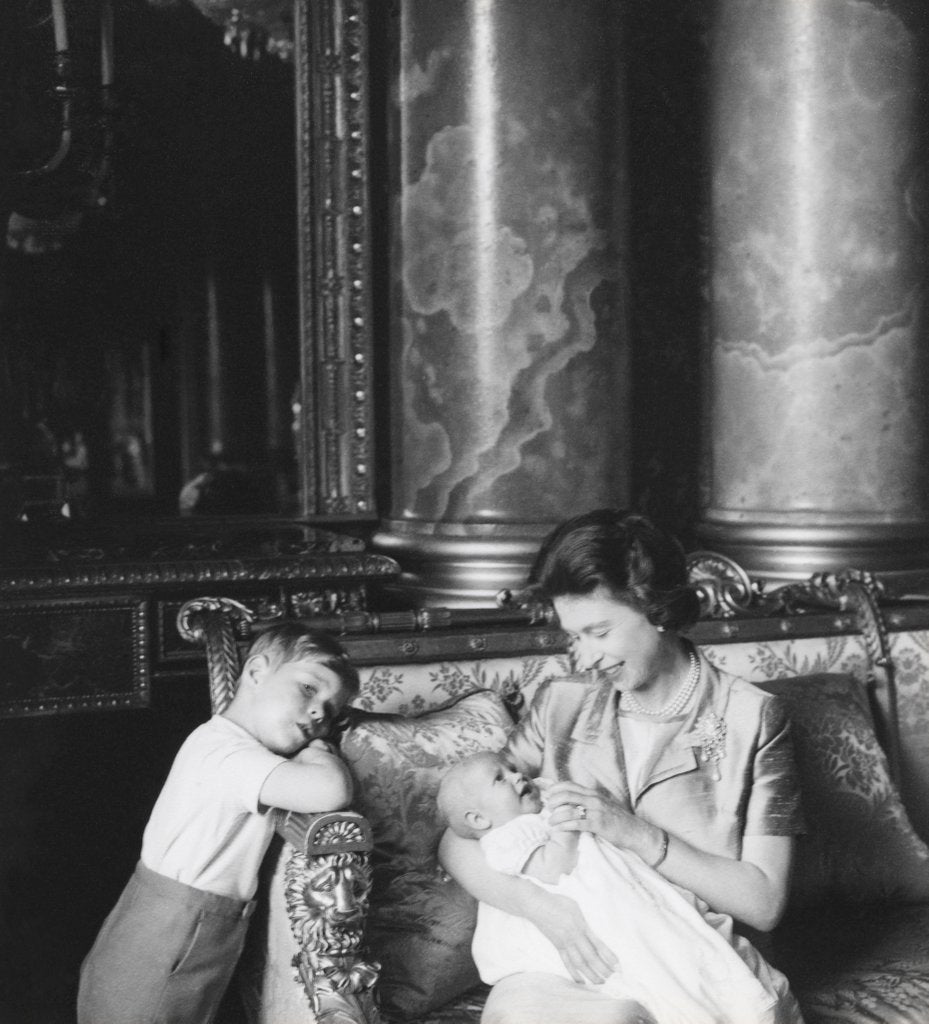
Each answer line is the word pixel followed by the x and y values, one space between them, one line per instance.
pixel 554 858
pixel 313 780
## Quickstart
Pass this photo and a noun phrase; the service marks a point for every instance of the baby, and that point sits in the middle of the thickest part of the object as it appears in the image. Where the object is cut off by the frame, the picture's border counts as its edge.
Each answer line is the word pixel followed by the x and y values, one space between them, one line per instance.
pixel 167 950
pixel 676 958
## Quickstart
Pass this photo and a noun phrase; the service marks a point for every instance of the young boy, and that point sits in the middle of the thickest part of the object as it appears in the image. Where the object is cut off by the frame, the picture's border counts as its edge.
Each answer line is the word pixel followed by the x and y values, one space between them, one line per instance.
pixel 678 962
pixel 167 951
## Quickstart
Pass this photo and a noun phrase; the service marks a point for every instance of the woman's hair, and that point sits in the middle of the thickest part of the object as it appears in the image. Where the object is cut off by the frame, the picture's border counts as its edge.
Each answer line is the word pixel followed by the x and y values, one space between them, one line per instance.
pixel 638 563
pixel 290 640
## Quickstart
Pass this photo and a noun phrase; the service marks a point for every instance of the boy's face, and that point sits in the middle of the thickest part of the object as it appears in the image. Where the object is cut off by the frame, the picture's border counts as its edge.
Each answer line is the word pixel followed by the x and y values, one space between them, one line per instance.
pixel 501 791
pixel 297 701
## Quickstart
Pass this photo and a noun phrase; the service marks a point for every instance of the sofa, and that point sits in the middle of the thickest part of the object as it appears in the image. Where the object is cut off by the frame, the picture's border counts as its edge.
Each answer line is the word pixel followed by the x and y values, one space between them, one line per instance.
pixel 357 921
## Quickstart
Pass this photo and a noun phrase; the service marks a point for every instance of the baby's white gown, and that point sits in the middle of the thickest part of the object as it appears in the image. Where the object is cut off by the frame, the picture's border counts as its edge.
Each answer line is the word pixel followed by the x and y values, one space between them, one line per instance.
pixel 677 958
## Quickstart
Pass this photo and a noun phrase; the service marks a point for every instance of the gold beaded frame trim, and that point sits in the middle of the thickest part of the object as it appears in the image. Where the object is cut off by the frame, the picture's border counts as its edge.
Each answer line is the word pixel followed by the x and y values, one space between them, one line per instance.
pixel 336 399
pixel 73 654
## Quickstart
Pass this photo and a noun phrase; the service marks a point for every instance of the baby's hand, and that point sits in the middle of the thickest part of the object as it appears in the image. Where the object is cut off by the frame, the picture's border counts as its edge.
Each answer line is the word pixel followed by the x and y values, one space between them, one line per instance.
pixel 543 785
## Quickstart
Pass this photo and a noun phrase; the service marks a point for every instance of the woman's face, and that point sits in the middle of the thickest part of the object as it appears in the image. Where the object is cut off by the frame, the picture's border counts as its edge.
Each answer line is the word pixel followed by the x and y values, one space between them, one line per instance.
pixel 612 637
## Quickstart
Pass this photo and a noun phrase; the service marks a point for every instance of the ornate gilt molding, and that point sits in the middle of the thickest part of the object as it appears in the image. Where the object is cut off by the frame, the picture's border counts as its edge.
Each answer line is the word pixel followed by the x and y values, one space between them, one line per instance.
pixel 721 584
pixel 64 654
pixel 327 887
pixel 79 575
pixel 334 251
pixel 213 622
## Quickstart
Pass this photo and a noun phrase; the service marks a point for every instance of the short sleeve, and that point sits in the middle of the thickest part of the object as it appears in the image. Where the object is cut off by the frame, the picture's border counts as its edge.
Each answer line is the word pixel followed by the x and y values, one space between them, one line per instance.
pixel 207 828
pixel 774 802
pixel 508 847
pixel 243 768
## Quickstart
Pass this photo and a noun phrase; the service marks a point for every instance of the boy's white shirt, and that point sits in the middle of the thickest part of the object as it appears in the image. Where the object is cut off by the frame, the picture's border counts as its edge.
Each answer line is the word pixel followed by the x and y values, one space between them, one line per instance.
pixel 207 828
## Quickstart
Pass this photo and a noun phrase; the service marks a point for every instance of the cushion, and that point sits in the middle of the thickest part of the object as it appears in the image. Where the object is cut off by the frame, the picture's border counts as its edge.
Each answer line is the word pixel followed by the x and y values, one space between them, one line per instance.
pixel 420 922
pixel 413 689
pixel 860 846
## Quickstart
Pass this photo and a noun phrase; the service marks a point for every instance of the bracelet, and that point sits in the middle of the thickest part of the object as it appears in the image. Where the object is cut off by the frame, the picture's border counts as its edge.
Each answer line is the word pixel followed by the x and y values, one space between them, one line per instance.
pixel 665 842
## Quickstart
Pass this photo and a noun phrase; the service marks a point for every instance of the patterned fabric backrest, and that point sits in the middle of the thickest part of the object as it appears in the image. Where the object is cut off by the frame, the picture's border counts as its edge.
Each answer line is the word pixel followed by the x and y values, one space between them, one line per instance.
pixel 412 689
pixel 910 653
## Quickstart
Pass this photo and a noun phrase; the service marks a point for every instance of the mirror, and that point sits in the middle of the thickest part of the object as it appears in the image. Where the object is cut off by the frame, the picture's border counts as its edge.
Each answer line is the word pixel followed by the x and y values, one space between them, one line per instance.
pixel 184 296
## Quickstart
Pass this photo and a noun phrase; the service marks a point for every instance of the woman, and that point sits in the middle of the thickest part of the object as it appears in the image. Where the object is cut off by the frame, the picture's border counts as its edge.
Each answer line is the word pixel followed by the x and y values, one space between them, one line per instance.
pixel 653 749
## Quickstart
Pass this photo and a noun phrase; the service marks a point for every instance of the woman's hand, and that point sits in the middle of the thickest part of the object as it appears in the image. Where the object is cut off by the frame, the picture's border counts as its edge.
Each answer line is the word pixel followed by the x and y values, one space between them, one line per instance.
pixel 577 808
pixel 753 889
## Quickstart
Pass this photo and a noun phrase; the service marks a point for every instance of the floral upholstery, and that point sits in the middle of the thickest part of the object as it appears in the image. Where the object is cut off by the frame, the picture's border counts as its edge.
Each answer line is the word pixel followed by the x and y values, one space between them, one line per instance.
pixel 860 846
pixel 415 689
pixel 775 659
pixel 910 653
pixel 420 921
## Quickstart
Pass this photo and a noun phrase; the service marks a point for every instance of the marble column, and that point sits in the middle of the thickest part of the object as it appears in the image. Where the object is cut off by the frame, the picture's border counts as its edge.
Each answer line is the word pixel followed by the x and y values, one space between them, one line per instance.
pixel 510 387
pixel 817 377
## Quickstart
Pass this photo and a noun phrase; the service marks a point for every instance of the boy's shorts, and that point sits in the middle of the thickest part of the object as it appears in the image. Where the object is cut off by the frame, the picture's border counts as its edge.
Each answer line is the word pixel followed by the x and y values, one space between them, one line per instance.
pixel 165 954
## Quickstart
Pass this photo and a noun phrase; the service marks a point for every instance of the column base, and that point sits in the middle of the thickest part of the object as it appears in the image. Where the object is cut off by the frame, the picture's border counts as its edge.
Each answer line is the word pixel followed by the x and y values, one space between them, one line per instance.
pixel 458 565
pixel 789 547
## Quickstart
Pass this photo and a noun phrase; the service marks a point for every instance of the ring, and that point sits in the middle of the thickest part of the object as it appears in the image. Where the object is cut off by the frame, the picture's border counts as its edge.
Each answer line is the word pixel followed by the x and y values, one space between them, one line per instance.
pixel 581 812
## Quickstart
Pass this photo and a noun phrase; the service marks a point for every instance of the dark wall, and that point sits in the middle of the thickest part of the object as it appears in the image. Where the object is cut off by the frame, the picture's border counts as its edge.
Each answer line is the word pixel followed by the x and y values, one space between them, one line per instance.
pixel 667 173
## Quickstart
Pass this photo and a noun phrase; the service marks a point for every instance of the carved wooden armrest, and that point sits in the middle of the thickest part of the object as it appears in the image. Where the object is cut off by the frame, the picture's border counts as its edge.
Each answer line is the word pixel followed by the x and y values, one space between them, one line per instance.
pixel 327 883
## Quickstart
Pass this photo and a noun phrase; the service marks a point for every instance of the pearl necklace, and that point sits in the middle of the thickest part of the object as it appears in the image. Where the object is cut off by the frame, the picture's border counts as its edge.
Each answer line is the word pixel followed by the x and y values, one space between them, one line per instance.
pixel 677 703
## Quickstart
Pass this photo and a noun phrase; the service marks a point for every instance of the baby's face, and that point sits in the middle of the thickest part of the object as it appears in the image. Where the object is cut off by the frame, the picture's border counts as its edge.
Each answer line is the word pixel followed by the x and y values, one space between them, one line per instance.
pixel 501 790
